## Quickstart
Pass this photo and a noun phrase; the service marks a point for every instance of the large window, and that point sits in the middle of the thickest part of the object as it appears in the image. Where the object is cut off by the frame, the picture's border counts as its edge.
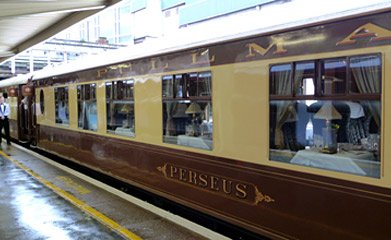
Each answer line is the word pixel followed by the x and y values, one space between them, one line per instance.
pixel 86 107
pixel 62 109
pixel 187 109
pixel 120 107
pixel 326 114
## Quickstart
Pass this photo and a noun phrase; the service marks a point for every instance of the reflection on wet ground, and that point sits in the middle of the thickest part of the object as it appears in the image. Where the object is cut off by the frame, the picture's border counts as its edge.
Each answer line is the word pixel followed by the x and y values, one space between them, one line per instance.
pixel 29 210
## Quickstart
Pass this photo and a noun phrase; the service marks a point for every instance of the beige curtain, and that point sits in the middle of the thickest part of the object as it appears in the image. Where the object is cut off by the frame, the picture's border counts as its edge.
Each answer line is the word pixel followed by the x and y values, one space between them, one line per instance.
pixel 366 70
pixel 299 75
pixel 282 81
pixel 170 109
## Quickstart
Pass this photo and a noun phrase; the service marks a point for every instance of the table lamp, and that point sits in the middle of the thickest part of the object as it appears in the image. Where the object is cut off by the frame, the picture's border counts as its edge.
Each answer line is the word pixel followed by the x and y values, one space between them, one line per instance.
pixel 193 109
pixel 126 109
pixel 329 134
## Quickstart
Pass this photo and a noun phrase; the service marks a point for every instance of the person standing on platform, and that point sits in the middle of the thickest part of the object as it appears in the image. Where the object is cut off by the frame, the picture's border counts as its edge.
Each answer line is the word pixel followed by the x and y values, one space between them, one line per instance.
pixel 4 123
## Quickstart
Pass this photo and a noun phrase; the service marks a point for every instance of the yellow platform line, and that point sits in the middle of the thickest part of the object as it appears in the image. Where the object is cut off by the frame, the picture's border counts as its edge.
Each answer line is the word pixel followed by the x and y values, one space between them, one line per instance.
pixel 77 202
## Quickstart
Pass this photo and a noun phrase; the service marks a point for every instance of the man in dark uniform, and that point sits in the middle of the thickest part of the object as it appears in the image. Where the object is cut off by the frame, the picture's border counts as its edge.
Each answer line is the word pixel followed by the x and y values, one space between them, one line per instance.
pixel 4 113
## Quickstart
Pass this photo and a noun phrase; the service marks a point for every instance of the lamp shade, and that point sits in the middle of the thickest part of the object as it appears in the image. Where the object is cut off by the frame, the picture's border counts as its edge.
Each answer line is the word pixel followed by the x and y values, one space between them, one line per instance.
pixel 180 111
pixel 328 112
pixel 27 90
pixel 13 92
pixel 193 108
pixel 126 109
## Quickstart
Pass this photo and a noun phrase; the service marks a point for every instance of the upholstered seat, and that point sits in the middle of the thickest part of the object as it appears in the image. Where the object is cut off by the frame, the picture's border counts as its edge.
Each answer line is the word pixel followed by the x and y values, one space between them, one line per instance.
pixel 359 128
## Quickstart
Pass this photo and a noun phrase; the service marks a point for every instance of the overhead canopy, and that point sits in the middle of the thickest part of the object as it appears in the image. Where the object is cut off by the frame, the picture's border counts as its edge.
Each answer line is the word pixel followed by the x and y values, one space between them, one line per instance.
pixel 24 23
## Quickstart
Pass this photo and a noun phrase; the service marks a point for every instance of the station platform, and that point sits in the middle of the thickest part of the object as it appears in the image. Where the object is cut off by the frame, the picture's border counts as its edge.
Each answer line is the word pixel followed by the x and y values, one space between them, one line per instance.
pixel 41 199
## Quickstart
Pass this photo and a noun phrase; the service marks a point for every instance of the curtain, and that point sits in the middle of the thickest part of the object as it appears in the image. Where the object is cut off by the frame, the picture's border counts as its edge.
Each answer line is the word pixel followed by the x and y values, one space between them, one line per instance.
pixel 366 70
pixel 282 84
pixel 170 127
pixel 82 115
pixel 208 86
pixel 92 116
pixel 298 81
pixel 204 84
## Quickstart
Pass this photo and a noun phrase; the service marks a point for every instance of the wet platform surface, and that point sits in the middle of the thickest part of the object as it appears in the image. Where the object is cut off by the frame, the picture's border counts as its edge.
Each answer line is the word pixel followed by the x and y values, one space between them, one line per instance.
pixel 39 200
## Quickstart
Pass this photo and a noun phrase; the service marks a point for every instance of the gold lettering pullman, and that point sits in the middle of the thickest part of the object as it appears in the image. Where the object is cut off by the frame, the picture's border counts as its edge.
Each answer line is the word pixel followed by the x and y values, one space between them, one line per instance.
pixel 255 48
pixel 369 30
pixel 202 57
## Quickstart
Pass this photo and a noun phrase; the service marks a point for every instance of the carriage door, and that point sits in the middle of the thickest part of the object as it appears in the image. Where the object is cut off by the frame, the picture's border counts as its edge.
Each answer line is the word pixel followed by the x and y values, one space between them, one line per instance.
pixel 25 113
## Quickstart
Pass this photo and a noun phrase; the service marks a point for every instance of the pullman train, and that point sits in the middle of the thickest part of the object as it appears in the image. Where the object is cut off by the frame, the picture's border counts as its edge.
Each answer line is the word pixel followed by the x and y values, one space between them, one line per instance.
pixel 282 133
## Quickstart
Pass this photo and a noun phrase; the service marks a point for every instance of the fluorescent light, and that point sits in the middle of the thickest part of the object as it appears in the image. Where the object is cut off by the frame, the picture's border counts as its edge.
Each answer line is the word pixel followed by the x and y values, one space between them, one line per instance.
pixel 6 54
pixel 75 10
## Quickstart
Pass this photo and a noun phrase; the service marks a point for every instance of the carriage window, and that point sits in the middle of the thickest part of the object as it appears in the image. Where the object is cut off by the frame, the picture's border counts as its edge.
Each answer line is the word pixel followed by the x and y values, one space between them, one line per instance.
pixel 167 88
pixel 62 109
pixel 281 79
pixel 364 71
pixel 187 109
pixel 304 78
pixel 120 107
pixel 330 120
pixel 334 75
pixel 86 107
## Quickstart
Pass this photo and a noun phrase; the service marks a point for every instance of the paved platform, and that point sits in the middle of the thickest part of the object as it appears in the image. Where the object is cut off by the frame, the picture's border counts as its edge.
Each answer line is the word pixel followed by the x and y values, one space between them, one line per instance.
pixel 40 199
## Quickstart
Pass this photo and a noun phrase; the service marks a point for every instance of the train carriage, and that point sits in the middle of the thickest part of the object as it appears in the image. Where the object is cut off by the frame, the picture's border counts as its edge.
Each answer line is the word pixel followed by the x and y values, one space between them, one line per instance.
pixel 283 133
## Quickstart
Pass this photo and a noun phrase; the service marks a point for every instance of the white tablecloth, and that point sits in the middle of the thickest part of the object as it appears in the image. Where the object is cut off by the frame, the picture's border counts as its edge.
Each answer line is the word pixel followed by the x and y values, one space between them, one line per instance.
pixel 197 142
pixel 342 161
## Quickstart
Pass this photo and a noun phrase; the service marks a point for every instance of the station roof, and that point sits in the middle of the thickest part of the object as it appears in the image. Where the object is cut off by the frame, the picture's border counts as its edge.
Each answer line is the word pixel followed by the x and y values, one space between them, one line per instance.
pixel 25 23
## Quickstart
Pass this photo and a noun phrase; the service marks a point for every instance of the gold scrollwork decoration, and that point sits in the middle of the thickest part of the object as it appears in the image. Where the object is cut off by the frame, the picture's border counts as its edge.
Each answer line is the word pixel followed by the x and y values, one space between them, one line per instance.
pixel 260 197
pixel 163 170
